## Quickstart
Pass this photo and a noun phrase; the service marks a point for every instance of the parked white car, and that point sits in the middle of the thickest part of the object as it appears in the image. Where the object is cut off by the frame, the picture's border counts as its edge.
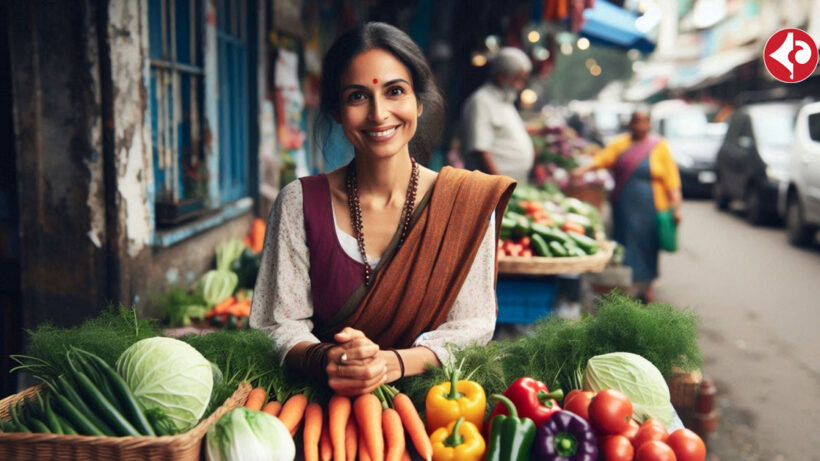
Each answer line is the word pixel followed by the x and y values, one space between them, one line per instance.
pixel 800 197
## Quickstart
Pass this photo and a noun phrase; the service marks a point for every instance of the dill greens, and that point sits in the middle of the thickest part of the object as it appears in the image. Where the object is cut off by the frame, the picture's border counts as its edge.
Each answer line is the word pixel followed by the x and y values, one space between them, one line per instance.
pixel 107 335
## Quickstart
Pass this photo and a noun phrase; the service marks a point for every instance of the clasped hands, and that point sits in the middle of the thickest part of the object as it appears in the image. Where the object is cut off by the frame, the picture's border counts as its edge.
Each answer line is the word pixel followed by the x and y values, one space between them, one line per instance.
pixel 355 366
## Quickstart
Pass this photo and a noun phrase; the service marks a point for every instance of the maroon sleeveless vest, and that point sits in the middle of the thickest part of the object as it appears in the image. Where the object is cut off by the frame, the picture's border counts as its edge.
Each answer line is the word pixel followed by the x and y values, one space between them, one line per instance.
pixel 334 275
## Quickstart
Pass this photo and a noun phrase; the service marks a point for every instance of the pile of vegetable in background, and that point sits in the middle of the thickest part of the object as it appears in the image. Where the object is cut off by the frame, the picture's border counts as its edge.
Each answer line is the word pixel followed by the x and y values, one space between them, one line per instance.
pixel 543 222
pixel 222 296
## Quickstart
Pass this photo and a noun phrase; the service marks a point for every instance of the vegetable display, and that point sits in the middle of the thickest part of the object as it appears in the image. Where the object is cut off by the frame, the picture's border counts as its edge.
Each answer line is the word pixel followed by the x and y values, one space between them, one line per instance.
pixel 244 434
pixel 171 375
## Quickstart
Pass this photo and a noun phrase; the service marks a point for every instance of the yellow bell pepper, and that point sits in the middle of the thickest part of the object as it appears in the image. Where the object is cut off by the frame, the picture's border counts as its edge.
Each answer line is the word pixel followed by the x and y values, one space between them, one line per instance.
pixel 459 441
pixel 448 401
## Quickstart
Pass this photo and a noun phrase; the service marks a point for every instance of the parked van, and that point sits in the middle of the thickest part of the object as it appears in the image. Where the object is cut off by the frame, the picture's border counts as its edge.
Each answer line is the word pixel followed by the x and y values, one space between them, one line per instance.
pixel 800 196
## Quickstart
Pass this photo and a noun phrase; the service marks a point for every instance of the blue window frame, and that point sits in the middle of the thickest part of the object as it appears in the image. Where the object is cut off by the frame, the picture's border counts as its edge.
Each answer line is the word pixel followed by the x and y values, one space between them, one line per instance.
pixel 175 92
pixel 232 58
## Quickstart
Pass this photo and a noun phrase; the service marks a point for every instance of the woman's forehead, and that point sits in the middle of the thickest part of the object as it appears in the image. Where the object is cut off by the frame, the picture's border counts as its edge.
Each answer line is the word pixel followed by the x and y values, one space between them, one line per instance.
pixel 373 67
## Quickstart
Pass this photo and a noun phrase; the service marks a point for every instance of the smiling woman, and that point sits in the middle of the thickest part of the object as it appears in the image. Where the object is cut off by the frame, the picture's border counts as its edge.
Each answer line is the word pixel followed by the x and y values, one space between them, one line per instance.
pixel 369 270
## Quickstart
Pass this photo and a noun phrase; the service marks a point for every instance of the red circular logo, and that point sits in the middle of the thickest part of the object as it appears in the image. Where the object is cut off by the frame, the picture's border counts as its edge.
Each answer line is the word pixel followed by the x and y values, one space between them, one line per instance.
pixel 790 55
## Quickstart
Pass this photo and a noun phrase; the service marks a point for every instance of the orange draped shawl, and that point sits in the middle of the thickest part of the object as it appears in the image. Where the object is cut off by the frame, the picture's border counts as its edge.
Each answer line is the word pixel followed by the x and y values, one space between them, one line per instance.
pixel 414 290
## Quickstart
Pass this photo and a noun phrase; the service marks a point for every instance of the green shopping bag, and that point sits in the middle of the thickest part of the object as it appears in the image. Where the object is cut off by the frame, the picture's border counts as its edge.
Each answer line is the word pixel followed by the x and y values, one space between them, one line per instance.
pixel 667 231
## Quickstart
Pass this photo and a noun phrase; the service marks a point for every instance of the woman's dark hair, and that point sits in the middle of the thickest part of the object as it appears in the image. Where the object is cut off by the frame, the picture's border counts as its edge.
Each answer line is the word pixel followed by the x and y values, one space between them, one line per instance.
pixel 378 35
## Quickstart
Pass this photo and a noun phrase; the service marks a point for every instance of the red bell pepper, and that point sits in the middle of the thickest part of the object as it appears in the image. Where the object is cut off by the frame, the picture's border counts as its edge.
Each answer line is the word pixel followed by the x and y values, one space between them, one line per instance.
pixel 532 399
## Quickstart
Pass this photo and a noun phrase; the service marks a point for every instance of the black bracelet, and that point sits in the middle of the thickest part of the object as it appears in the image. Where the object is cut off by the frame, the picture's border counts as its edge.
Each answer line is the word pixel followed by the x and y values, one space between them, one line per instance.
pixel 401 362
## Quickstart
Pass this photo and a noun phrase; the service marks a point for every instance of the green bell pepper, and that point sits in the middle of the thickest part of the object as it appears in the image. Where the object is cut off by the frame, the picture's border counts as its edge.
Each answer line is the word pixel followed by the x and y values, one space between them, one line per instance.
pixel 511 437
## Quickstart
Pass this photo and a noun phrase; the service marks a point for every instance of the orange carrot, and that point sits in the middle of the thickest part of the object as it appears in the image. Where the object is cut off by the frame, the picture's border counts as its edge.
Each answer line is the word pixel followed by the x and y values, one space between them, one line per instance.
pixel 393 434
pixel 368 410
pixel 351 435
pixel 292 412
pixel 312 432
pixel 363 454
pixel 338 413
pixel 325 447
pixel 221 307
pixel 240 309
pixel 256 399
pixel 414 425
pixel 272 408
pixel 257 235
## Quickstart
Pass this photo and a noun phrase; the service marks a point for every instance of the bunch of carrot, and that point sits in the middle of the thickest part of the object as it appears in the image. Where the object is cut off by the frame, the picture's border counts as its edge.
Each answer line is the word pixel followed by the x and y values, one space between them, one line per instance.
pixel 230 306
pixel 370 427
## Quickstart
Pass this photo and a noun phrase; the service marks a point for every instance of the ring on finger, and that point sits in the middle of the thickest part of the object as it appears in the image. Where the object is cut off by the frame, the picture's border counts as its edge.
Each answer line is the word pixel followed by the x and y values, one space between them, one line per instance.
pixel 343 358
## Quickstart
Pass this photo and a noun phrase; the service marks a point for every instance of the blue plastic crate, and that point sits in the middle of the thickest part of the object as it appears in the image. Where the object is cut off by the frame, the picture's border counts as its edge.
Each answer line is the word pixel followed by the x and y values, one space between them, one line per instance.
pixel 524 300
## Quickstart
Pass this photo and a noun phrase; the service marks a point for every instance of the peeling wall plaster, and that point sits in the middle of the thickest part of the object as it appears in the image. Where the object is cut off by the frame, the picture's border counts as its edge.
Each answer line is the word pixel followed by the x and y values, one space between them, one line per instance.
pixel 131 136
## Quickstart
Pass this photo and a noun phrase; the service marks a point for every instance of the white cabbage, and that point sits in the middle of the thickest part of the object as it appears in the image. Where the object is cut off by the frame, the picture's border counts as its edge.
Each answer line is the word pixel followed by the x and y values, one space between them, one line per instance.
pixel 247 435
pixel 636 377
pixel 169 374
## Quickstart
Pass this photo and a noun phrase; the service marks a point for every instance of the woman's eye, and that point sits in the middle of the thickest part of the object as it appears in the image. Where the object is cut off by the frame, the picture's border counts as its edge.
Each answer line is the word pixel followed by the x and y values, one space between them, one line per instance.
pixel 356 96
pixel 395 91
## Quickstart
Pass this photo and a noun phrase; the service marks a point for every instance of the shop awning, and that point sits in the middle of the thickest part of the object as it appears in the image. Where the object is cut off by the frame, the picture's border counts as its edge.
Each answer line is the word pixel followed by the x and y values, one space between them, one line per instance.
pixel 714 69
pixel 612 26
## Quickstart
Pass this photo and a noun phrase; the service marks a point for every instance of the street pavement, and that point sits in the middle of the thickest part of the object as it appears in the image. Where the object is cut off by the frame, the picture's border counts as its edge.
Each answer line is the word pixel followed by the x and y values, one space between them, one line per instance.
pixel 759 303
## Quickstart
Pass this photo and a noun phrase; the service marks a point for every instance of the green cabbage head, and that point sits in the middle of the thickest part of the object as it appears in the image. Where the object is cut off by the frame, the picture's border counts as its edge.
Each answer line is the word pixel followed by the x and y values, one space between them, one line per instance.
pixel 249 435
pixel 169 374
pixel 636 377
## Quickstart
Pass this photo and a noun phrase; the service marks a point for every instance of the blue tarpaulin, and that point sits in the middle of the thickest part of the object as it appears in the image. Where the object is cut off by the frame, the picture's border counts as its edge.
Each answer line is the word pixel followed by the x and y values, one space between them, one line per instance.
pixel 607 24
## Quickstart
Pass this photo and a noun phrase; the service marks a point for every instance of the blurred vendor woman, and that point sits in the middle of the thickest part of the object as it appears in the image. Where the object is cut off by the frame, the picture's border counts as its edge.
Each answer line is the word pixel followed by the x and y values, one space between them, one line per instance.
pixel 370 270
pixel 646 181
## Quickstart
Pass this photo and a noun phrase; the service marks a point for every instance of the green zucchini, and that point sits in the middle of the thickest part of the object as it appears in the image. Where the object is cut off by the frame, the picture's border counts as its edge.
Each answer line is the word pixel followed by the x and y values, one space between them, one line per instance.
pixel 540 245
pixel 125 400
pixel 66 426
pixel 550 234
pixel 557 249
pixel 587 244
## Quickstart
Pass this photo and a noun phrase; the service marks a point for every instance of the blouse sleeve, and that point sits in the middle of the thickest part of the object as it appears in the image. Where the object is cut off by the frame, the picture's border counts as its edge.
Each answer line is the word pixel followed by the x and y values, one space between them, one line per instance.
pixel 606 157
pixel 282 300
pixel 472 318
pixel 671 175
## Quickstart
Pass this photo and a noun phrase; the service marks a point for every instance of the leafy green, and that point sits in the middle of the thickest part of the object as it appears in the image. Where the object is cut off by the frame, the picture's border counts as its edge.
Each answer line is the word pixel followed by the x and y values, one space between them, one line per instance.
pixel 227 253
pixel 170 374
pixel 180 306
pixel 216 285
pixel 106 335
pixel 249 435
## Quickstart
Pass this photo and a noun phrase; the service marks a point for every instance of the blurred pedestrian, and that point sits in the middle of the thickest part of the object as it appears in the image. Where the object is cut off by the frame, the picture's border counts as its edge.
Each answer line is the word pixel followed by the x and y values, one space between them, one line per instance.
pixel 646 181
pixel 495 140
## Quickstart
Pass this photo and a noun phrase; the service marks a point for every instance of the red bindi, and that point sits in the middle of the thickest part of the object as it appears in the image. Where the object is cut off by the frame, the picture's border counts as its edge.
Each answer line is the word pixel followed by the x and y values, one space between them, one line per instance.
pixel 375 81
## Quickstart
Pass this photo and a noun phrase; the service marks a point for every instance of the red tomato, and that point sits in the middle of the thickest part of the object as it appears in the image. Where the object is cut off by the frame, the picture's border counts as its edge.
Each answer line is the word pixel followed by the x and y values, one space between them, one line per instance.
pixel 655 451
pixel 610 411
pixel 687 445
pixel 527 253
pixel 618 448
pixel 652 421
pixel 578 402
pixel 649 432
pixel 525 241
pixel 633 429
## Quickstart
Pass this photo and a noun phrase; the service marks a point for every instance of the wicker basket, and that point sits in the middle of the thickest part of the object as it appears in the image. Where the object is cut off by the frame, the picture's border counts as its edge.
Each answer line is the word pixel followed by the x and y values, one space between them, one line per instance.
pixel 186 446
pixel 683 388
pixel 537 265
